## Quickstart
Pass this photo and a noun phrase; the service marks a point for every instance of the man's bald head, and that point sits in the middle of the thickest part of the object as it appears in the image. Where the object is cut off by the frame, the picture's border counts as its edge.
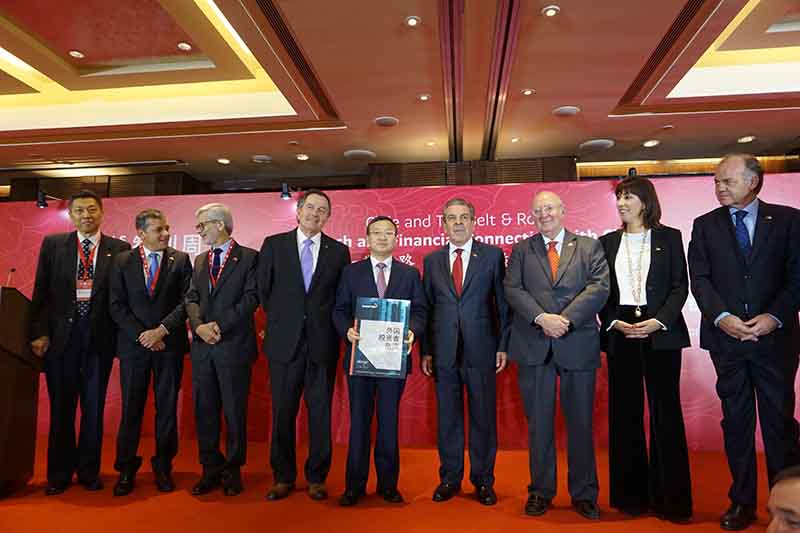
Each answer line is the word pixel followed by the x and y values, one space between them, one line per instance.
pixel 548 210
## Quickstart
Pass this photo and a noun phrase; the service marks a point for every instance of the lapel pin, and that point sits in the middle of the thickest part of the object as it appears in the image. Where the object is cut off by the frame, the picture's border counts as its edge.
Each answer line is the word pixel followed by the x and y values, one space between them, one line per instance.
pixel 108 255
pixel 571 243
pixel 172 259
pixel 768 217
pixel 235 259
pixel 658 249
pixel 474 254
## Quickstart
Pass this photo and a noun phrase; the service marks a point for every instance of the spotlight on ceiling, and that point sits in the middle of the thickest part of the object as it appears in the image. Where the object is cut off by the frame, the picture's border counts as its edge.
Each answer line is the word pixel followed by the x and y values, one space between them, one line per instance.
pixel 224 161
pixel 430 144
pixel 285 193
pixel 41 200
pixel 302 157
pixel 261 159
pixel 550 11
pixel 413 21
pixel 652 143
pixel 746 139
pixel 184 47
pixel 77 54
pixel 528 92
pixel 514 139
pixel 424 97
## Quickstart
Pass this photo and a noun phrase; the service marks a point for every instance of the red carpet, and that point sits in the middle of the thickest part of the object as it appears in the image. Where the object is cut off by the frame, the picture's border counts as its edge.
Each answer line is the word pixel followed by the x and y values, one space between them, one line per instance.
pixel 148 511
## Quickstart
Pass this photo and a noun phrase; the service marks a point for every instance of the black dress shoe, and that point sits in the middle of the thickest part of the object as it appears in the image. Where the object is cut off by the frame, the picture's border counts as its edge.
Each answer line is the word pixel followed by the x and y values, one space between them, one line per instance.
pixel 317 491
pixel 207 483
pixel 124 485
pixel 536 505
pixel 279 491
pixel 232 482
pixel 92 484
pixel 445 491
pixel 587 509
pixel 164 482
pixel 350 498
pixel 56 488
pixel 738 517
pixel 392 495
pixel 486 495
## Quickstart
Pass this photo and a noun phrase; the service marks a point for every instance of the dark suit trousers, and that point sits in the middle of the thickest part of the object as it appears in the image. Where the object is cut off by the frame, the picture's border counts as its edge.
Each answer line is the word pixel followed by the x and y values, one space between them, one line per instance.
pixel 366 396
pixel 166 369
pixel 662 482
pixel 77 374
pixel 221 387
pixel 481 400
pixel 746 381
pixel 537 385
pixel 314 382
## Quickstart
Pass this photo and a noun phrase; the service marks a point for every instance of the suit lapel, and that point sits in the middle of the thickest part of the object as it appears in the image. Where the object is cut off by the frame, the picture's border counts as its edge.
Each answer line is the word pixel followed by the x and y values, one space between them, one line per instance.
pixel 657 246
pixel 567 251
pixel 393 279
pixel 444 268
pixel 102 264
pixel 230 265
pixel 537 245
pixel 167 261
pixel 290 249
pixel 322 260
pixel 764 225
pixel 204 281
pixel 474 265
pixel 727 231
pixel 70 258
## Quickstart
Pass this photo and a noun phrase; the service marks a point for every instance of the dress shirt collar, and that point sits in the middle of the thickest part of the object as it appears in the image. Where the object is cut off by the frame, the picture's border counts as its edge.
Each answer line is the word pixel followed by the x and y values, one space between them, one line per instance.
pixel 467 247
pixel 301 239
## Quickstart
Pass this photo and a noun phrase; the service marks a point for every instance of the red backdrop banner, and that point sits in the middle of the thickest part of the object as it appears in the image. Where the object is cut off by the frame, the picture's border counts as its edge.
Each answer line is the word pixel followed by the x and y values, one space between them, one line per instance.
pixel 504 218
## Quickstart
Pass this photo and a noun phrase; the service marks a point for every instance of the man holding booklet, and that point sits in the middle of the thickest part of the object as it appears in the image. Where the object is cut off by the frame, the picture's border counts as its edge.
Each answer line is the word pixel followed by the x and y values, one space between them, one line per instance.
pixel 380 308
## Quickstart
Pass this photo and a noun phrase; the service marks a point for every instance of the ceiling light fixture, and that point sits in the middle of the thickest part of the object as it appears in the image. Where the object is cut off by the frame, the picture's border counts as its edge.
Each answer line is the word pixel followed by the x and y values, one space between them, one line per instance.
pixel 746 139
pixel 77 54
pixel 597 144
pixel 514 139
pixel 424 97
pixel 566 111
pixel 224 161
pixel 413 21
pixel 261 159
pixel 652 143
pixel 551 11
pixel 302 157
pixel 184 47
pixel 387 121
pixel 430 143
pixel 528 92
pixel 667 127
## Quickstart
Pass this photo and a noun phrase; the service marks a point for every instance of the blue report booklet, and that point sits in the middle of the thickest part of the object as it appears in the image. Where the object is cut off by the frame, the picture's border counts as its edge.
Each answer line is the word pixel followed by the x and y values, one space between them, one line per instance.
pixel 382 350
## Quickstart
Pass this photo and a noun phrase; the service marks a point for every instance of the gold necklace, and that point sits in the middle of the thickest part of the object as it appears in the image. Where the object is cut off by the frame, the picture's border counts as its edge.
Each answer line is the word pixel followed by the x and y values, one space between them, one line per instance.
pixel 635 276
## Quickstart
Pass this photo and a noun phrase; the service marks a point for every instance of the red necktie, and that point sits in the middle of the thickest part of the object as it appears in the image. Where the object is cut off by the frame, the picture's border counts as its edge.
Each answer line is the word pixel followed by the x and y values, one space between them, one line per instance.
pixel 552 256
pixel 458 272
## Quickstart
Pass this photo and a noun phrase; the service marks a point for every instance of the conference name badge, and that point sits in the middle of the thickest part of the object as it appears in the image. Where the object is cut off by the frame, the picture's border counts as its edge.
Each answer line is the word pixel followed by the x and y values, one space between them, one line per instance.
pixel 83 290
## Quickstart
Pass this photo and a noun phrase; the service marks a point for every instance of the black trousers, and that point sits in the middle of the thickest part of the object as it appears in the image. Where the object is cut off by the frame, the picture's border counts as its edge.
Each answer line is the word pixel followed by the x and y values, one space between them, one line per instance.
pixel 746 381
pixel 367 396
pixel 481 387
pixel 537 385
pixel 314 382
pixel 217 386
pixel 78 374
pixel 166 370
pixel 660 482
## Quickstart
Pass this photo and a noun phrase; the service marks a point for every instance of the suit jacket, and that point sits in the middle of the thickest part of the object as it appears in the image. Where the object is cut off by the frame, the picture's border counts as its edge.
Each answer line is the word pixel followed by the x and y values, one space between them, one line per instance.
pixel 359 280
pixel 766 282
pixel 666 287
pixel 480 315
pixel 54 304
pixel 578 294
pixel 230 304
pixel 134 310
pixel 289 308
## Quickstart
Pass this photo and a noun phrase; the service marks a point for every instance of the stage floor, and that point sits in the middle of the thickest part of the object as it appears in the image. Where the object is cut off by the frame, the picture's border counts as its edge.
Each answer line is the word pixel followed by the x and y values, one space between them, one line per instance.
pixel 147 510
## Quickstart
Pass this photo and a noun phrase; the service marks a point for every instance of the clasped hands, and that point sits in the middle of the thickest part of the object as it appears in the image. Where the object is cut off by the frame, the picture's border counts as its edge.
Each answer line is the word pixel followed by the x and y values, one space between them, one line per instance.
pixel 209 332
pixel 751 330
pixel 639 330
pixel 553 325
pixel 153 339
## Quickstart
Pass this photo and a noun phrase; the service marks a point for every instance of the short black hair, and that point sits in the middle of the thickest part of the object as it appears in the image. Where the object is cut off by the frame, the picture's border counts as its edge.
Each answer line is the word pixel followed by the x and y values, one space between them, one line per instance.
pixel 643 189
pixel 318 192
pixel 145 215
pixel 792 472
pixel 85 194
pixel 380 218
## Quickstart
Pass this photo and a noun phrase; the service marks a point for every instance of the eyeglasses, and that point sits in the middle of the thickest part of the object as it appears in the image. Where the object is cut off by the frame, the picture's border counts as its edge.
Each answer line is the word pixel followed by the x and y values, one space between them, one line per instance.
pixel 202 225
pixel 388 233
pixel 544 210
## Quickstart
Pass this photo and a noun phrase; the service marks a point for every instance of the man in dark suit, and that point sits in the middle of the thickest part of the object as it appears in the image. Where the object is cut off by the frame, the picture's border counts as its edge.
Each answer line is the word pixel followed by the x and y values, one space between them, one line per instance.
pixel 465 346
pixel 222 298
pixel 742 262
pixel 298 274
pixel 148 285
pixel 556 284
pixel 381 276
pixel 70 327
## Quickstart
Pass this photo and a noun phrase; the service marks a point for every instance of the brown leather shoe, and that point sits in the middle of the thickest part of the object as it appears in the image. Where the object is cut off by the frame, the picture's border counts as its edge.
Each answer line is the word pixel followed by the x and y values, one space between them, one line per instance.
pixel 317 491
pixel 279 491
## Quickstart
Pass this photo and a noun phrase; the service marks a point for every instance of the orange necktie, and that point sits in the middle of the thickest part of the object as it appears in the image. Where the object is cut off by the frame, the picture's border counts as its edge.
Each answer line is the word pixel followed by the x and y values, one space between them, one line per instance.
pixel 552 256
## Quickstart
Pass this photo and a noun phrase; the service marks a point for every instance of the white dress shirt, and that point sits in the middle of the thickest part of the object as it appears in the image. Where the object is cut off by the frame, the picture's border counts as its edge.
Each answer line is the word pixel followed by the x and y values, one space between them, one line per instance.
pixel 387 272
pixel 621 265
pixel 316 240
pixel 95 242
pixel 465 255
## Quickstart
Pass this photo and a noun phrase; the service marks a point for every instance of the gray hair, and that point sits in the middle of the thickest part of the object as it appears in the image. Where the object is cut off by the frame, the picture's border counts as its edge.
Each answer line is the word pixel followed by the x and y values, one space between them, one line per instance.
pixel 460 201
pixel 145 215
pixel 752 168
pixel 217 211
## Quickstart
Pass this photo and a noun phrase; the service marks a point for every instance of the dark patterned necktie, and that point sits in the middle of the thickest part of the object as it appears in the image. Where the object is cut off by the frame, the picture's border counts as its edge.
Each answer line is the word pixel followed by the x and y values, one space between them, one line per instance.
pixel 86 247
pixel 742 235
pixel 217 264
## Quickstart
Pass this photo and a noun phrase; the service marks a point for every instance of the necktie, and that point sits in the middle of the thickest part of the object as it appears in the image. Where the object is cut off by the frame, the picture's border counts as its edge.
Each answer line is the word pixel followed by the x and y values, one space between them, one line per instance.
pixel 216 265
pixel 742 235
pixel 86 248
pixel 151 275
pixel 552 257
pixel 458 272
pixel 307 262
pixel 381 283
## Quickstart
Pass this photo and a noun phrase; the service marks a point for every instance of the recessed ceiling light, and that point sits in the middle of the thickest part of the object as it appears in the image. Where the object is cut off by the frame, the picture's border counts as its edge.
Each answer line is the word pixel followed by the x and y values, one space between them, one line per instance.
pixel 77 54
pixel 430 143
pixel 551 11
pixel 224 161
pixel 566 111
pixel 185 47
pixel 514 139
pixel 746 139
pixel 387 122
pixel 424 97
pixel 413 21
pixel 652 143
pixel 359 154
pixel 600 144
pixel 302 157
pixel 261 159
pixel 667 127
pixel 293 143
pixel 528 92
